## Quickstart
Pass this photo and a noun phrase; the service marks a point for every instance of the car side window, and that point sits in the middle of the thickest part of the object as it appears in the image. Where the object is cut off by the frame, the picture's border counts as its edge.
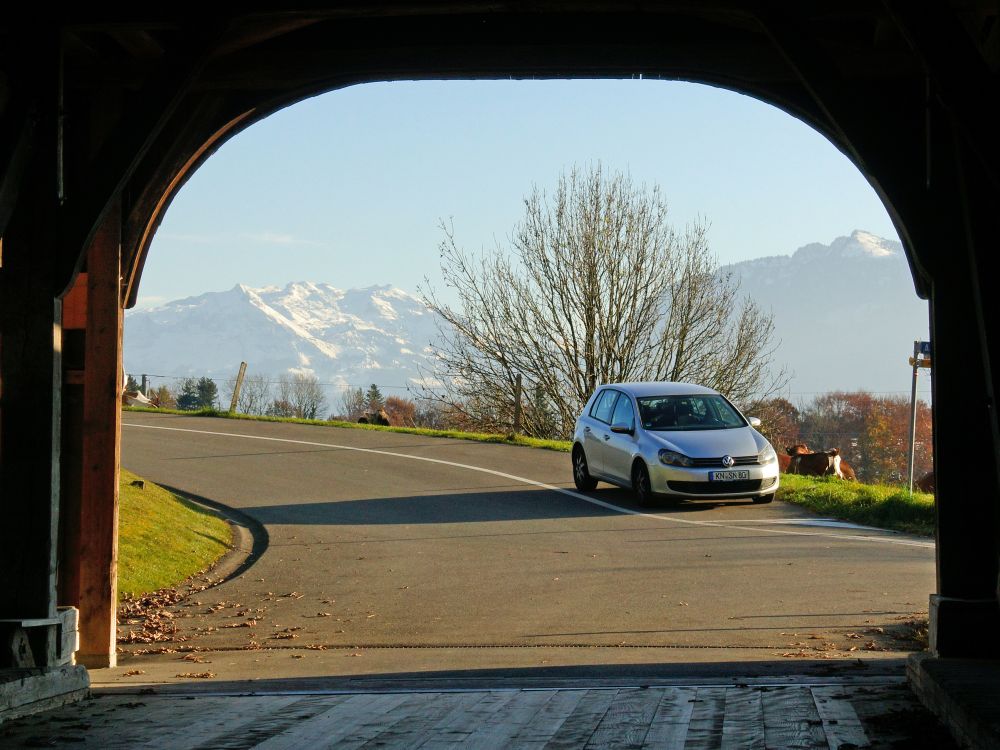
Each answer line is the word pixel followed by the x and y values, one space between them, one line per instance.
pixel 623 412
pixel 604 406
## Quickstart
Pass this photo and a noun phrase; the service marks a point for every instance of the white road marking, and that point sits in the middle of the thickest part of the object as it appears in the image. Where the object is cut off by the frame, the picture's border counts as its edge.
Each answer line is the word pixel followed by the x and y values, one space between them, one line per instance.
pixel 552 488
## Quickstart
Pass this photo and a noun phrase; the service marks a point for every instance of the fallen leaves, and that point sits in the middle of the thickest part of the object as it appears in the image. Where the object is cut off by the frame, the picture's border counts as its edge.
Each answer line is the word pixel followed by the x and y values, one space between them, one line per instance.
pixel 161 650
pixel 149 612
pixel 196 675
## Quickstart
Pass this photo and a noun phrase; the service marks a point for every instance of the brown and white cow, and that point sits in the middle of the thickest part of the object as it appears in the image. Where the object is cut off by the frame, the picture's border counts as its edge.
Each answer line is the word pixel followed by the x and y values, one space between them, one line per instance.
pixel 785 459
pixel 825 463
pixel 926 483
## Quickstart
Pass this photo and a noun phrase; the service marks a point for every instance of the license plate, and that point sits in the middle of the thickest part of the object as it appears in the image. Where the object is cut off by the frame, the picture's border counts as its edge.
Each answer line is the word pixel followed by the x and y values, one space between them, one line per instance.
pixel 728 476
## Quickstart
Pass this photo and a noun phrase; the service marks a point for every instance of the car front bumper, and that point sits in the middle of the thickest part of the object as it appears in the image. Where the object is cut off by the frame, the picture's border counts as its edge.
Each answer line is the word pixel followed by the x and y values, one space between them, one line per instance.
pixel 678 481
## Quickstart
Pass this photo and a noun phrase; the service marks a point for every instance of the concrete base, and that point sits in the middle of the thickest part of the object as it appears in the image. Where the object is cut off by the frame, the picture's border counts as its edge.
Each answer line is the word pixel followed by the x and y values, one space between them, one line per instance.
pixel 964 693
pixel 27 691
pixel 964 628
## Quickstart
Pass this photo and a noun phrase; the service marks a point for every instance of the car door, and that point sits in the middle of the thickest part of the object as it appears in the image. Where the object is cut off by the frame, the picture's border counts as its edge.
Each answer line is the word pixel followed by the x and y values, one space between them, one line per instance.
pixel 618 446
pixel 597 424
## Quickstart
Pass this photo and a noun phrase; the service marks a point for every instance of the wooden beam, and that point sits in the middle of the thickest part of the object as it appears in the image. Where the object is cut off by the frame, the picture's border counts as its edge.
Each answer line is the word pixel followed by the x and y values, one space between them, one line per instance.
pixel 98 561
pixel 16 138
pixel 74 331
pixel 103 177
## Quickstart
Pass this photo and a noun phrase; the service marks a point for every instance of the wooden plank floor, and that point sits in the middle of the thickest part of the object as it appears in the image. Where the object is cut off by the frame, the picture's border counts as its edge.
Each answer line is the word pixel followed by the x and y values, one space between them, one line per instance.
pixel 828 717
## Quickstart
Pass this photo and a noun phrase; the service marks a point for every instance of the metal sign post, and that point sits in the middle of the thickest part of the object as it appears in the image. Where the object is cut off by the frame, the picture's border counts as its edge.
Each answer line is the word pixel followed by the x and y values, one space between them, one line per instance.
pixel 921 358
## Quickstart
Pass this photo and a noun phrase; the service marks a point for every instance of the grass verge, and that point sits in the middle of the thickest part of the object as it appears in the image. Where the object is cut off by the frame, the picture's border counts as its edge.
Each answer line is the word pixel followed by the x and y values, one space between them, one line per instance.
pixel 879 505
pixel 163 539
pixel 479 437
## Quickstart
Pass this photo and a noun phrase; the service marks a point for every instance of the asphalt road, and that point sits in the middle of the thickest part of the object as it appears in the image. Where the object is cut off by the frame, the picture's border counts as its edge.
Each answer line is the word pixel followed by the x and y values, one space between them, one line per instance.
pixel 412 554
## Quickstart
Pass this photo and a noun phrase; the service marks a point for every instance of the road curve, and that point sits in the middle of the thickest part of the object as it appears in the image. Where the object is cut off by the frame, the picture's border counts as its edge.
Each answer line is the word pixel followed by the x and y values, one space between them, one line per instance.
pixel 380 540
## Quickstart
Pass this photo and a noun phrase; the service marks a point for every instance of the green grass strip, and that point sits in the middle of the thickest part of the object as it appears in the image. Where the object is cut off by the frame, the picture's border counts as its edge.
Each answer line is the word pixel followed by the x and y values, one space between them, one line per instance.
pixel 479 437
pixel 163 539
pixel 879 505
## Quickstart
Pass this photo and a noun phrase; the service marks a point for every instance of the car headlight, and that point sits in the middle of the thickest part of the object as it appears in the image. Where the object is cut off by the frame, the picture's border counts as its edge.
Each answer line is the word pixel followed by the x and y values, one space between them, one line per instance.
pixel 673 458
pixel 767 455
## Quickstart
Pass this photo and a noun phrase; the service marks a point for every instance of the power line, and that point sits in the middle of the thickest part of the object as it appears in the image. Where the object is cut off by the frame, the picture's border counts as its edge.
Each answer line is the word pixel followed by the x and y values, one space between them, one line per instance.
pixel 272 382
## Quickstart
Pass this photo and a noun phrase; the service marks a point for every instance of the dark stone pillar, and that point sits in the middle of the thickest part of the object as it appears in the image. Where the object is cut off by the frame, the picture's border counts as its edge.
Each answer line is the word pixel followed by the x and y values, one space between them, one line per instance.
pixel 964 613
pixel 30 384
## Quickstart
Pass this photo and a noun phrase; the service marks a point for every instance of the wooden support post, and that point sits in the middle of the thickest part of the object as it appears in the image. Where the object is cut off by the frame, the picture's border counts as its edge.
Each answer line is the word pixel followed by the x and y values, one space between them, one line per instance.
pixel 74 329
pixel 236 388
pixel 102 388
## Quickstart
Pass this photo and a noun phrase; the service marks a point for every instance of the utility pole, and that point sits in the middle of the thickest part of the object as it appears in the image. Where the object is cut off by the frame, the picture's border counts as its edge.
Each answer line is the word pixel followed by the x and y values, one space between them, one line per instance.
pixel 237 387
pixel 144 388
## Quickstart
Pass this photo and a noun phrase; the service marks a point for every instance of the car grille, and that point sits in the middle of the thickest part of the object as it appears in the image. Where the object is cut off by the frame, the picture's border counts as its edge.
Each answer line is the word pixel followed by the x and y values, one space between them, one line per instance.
pixel 716 463
pixel 719 488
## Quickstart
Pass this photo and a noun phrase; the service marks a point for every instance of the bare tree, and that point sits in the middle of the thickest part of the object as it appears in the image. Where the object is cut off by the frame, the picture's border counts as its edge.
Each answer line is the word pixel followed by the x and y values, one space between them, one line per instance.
pixel 255 394
pixel 307 396
pixel 281 405
pixel 352 404
pixel 597 287
pixel 298 395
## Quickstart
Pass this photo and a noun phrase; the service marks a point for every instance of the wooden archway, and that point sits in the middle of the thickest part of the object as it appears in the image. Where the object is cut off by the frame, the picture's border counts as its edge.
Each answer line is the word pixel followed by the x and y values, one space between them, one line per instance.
pixel 105 116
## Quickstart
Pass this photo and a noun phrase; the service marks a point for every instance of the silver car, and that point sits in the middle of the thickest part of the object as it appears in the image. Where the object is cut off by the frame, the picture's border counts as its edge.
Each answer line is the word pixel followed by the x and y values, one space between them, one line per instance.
pixel 672 440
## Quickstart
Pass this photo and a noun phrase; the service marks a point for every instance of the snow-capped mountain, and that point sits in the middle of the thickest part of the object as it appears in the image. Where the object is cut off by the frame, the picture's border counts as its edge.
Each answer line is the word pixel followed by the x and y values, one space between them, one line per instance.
pixel 360 336
pixel 846 313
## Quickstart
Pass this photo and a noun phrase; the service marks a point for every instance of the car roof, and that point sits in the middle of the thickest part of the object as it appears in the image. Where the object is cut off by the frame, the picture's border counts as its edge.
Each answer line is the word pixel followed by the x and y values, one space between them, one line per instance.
pixel 660 389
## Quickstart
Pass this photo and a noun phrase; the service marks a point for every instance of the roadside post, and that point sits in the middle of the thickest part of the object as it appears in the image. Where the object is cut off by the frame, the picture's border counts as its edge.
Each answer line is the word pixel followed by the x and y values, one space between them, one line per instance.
pixel 237 387
pixel 921 358
pixel 517 404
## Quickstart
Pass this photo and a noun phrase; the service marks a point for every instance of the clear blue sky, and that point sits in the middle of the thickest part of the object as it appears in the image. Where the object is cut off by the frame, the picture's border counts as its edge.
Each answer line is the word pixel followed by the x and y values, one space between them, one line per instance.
pixel 348 188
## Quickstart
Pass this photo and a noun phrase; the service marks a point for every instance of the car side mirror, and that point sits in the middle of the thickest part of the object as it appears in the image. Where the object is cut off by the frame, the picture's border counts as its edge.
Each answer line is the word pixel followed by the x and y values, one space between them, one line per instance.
pixel 622 429
pixel 754 422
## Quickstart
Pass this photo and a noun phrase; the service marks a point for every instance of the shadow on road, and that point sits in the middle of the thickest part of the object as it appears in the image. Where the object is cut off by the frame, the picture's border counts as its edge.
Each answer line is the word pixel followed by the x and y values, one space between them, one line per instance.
pixel 589 675
pixel 454 507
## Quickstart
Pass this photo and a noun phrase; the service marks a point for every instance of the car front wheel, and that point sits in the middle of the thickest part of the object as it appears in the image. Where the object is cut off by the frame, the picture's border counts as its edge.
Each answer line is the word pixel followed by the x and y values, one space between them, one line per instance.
pixel 642 488
pixel 581 474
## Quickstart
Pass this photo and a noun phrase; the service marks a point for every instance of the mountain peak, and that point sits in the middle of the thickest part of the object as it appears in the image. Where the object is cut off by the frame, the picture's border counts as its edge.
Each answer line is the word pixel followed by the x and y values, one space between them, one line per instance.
pixel 872 245
pixel 860 244
pixel 341 336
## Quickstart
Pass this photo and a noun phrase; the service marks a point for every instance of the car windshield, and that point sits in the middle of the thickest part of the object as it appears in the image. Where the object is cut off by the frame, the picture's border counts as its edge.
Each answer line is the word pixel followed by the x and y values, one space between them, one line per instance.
pixel 701 412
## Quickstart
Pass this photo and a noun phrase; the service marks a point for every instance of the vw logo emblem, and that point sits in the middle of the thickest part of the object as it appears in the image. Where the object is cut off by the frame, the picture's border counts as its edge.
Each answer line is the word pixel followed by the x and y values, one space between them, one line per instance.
pixel 728 461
